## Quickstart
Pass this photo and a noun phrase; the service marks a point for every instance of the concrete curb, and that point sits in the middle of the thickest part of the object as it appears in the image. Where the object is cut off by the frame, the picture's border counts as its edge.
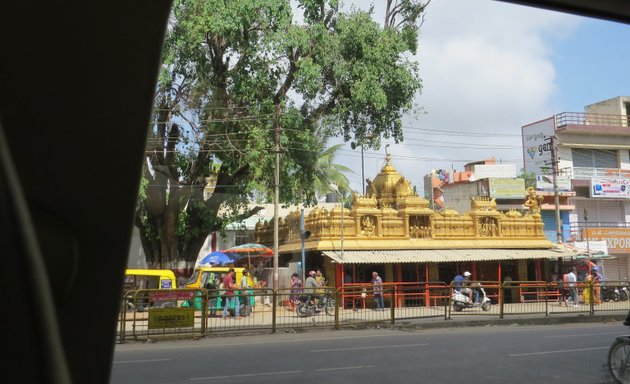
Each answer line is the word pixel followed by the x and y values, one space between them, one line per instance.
pixel 422 324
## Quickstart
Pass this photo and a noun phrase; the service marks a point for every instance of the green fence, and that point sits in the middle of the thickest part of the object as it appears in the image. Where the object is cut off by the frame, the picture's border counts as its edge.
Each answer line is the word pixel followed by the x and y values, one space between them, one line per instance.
pixel 194 313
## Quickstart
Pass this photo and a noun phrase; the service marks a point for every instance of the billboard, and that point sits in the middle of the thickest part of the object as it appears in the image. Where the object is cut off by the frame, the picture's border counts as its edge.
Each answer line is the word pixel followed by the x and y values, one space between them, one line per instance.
pixel 537 150
pixel 617 239
pixel 507 188
pixel 545 183
pixel 610 188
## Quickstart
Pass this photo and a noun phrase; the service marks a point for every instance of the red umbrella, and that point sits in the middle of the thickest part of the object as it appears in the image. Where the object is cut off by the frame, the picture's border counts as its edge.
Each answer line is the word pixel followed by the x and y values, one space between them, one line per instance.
pixel 258 252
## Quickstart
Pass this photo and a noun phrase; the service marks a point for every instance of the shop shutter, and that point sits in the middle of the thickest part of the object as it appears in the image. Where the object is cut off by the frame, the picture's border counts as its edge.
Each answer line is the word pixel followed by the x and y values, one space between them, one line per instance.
pixel 594 158
pixel 549 221
pixel 616 269
pixel 601 213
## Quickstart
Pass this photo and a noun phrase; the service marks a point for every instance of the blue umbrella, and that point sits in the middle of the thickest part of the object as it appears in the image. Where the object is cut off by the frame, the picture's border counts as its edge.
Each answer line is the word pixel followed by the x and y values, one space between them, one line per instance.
pixel 216 258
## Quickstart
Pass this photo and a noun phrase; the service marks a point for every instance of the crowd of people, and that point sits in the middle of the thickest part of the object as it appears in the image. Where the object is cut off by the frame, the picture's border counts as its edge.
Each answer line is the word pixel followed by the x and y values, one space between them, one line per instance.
pixel 236 298
pixel 569 287
pixel 314 283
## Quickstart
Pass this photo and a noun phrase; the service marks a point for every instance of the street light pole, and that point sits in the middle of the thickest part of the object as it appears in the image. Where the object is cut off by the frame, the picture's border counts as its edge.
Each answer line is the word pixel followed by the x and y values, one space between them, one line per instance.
pixel 335 188
pixel 588 247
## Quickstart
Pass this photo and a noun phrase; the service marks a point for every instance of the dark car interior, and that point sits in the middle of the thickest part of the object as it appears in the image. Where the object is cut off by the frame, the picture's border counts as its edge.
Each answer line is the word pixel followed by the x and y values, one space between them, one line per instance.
pixel 76 87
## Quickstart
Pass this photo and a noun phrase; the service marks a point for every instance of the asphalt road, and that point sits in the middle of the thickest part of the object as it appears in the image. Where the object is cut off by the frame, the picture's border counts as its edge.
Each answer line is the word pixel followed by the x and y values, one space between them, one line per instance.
pixel 564 353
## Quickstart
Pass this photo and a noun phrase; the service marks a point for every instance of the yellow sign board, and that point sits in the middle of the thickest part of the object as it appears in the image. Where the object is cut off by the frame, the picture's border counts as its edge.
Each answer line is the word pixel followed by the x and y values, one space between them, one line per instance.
pixel 171 317
pixel 617 239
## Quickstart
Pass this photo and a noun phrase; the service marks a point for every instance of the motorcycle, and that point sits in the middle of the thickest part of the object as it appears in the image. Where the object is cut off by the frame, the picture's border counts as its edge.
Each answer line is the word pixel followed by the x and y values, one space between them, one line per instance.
pixel 623 293
pixel 461 300
pixel 619 357
pixel 611 294
pixel 312 305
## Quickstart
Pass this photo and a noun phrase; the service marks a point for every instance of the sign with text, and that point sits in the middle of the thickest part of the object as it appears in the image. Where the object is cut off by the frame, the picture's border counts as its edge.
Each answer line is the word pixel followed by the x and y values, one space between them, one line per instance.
pixel 610 188
pixel 545 183
pixel 507 188
pixel 170 295
pixel 617 239
pixel 536 147
pixel 171 317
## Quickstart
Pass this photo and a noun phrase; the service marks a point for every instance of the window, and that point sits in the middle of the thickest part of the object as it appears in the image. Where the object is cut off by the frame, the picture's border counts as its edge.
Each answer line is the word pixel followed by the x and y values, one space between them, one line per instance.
pixel 594 158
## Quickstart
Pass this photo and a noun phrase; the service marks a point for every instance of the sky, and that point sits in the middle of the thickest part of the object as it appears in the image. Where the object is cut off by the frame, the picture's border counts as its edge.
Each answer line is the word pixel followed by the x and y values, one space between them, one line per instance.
pixel 488 68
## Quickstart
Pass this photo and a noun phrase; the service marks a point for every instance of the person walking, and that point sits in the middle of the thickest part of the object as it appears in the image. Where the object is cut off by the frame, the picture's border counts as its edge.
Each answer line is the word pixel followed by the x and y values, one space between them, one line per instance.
pixel 572 282
pixel 594 292
pixel 377 283
pixel 246 293
pixel 321 281
pixel 230 298
pixel 296 288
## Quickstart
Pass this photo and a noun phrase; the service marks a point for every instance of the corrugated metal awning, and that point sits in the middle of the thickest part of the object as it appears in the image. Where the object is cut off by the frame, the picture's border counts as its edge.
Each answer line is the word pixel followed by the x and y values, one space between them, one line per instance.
pixel 441 255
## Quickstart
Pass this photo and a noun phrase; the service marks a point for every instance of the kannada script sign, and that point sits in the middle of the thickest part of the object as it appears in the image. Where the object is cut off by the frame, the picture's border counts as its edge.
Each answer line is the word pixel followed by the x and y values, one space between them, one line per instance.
pixel 617 239
pixel 171 317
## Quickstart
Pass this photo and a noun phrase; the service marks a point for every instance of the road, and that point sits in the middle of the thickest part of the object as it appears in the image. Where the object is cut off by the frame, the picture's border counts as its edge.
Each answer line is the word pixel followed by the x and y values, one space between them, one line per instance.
pixel 564 353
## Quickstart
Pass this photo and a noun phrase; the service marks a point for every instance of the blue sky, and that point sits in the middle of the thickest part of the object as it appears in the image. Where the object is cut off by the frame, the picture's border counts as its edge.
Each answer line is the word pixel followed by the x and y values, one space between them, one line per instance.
pixel 489 68
pixel 603 71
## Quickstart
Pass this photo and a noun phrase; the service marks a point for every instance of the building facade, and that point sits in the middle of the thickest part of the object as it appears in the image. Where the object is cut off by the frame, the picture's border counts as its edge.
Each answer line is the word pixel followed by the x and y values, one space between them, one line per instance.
pixel 391 230
pixel 592 153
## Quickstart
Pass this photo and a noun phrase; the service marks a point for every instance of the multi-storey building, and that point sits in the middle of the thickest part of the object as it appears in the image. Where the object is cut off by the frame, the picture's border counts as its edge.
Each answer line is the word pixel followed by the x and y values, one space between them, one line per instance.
pixel 455 189
pixel 591 151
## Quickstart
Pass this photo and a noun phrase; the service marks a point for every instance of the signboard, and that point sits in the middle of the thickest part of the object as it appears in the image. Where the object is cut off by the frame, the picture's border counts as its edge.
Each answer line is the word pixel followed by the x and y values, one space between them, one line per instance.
pixel 597 247
pixel 171 295
pixel 171 317
pixel 610 188
pixel 507 188
pixel 537 150
pixel 545 183
pixel 617 239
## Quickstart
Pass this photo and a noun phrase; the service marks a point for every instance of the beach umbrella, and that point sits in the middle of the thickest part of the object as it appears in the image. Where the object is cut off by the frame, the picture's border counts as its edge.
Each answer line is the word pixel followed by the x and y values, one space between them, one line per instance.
pixel 252 252
pixel 216 258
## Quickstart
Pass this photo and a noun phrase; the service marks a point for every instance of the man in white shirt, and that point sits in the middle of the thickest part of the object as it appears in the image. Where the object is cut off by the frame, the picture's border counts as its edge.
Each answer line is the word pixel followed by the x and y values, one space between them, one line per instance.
pixel 572 280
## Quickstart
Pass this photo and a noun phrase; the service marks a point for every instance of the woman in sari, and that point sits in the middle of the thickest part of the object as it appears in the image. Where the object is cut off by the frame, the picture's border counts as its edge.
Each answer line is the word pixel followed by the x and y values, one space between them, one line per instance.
pixel 296 288
pixel 592 295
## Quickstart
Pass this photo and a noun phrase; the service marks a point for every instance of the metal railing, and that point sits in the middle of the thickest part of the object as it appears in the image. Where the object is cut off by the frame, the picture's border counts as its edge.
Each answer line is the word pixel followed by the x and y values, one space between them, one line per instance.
pixel 194 313
pixel 589 172
pixel 596 119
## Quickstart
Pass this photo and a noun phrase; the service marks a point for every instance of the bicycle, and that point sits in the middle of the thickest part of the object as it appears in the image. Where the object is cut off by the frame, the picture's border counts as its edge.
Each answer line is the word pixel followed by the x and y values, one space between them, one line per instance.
pixel 619 357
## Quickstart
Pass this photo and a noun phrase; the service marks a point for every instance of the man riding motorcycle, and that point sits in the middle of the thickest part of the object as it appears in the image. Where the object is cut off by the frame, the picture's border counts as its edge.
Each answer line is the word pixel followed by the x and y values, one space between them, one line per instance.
pixel 461 284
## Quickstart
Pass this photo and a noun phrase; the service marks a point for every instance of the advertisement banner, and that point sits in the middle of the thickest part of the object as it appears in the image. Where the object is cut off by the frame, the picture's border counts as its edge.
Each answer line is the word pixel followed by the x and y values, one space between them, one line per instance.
pixel 507 188
pixel 610 188
pixel 545 183
pixel 617 239
pixel 171 317
pixel 170 295
pixel 536 149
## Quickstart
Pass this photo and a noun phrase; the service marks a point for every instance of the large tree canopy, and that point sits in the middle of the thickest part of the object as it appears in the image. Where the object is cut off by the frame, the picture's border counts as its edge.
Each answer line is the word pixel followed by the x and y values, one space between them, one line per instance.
pixel 234 71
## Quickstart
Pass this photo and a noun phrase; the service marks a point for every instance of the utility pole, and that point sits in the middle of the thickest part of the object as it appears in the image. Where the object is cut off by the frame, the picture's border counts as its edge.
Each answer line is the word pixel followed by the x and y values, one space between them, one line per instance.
pixel 556 198
pixel 276 199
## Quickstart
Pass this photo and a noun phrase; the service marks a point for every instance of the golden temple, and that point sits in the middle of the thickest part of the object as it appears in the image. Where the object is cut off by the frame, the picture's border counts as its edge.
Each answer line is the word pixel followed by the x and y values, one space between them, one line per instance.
pixel 391 225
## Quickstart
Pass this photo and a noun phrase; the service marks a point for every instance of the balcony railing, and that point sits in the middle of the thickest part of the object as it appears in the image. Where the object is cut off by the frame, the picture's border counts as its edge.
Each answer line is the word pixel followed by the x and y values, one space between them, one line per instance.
pixel 577 118
pixel 588 172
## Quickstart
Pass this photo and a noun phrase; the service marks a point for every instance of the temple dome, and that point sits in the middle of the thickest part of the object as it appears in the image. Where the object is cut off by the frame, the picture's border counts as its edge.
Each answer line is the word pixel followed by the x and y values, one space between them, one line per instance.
pixel 389 185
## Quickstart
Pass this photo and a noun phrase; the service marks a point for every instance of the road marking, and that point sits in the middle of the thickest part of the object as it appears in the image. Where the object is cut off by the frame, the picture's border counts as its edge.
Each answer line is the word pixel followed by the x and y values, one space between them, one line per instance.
pixel 244 375
pixel 372 347
pixel 559 351
pixel 583 334
pixel 140 361
pixel 344 368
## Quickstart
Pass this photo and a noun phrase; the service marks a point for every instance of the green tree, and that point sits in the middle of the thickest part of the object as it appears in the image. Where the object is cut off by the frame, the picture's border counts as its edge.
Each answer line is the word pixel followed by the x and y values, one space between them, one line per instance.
pixel 328 172
pixel 237 73
pixel 529 177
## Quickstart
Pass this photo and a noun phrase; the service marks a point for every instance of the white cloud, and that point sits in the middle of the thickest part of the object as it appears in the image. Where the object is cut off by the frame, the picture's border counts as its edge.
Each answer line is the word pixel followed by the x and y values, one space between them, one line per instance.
pixel 486 67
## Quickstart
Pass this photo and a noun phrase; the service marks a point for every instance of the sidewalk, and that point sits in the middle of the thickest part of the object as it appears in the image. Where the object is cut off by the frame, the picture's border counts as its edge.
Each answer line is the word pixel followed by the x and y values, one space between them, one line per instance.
pixel 511 320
